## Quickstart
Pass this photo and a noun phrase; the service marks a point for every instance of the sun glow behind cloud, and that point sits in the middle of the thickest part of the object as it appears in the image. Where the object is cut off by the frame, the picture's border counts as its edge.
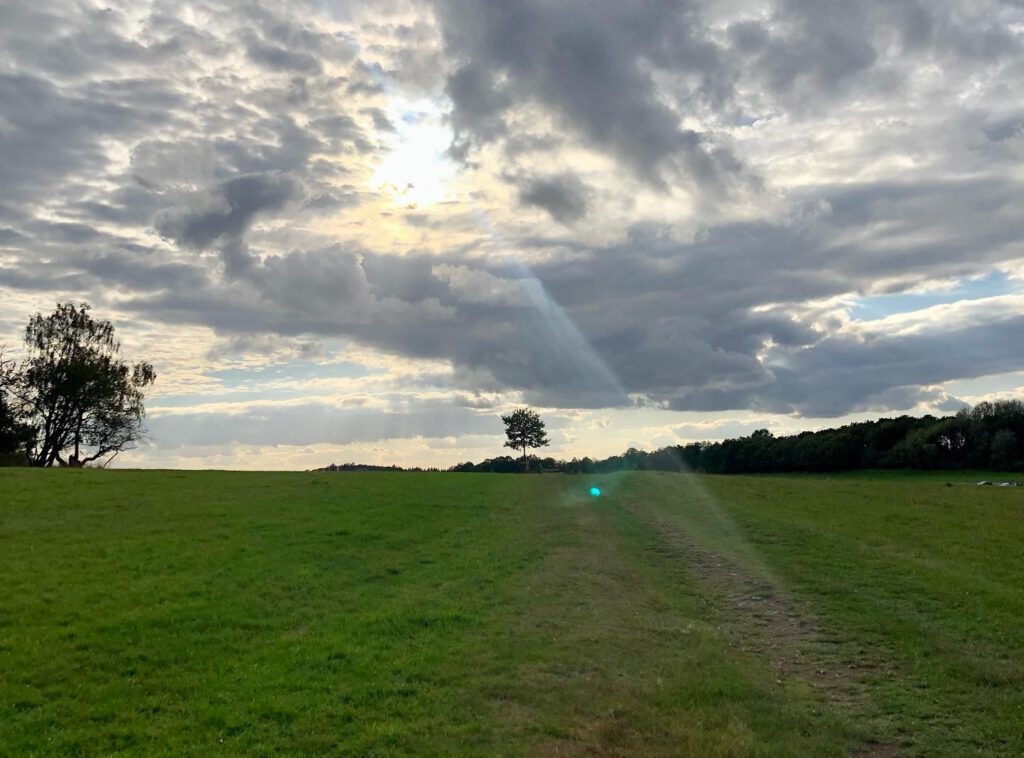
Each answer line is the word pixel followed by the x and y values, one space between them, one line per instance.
pixel 417 171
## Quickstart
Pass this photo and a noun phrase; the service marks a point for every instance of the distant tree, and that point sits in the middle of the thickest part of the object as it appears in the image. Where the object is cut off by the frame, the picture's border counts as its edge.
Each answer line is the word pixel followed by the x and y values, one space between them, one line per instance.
pixel 914 451
pixel 83 402
pixel 1004 450
pixel 524 430
pixel 989 434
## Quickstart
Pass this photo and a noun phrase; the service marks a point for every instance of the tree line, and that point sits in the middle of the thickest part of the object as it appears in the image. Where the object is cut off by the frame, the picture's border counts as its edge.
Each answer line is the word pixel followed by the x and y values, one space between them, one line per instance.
pixel 987 435
pixel 71 400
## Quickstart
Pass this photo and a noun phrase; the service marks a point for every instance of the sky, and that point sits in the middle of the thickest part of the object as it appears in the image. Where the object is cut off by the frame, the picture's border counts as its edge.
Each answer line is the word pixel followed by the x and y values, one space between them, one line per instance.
pixel 361 231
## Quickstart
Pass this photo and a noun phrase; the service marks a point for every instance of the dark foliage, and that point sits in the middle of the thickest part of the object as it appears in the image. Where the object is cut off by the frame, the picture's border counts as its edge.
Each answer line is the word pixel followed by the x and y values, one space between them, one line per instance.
pixel 524 429
pixel 79 399
pixel 15 437
pixel 369 467
pixel 987 435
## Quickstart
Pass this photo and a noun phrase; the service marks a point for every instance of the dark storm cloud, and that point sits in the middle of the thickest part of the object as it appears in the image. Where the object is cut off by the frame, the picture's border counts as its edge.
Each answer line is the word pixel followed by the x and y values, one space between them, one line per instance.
pixel 564 196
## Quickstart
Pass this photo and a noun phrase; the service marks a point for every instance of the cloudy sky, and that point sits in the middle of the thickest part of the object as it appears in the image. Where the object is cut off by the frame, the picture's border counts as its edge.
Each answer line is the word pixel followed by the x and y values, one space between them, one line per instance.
pixel 362 230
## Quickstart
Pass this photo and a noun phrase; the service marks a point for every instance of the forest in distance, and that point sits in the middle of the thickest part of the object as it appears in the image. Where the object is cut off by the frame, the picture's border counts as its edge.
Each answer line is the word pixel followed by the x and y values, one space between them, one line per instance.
pixel 984 436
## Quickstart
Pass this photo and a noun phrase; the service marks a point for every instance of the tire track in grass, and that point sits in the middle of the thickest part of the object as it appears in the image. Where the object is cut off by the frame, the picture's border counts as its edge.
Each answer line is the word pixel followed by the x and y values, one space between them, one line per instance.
pixel 759 617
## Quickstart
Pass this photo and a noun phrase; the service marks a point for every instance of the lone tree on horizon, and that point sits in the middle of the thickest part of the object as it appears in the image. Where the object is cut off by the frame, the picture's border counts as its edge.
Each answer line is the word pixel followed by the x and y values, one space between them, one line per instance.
pixel 75 393
pixel 524 430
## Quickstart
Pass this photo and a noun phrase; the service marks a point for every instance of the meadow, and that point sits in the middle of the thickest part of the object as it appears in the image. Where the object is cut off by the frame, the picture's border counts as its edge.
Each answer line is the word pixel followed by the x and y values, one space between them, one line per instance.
pixel 206 613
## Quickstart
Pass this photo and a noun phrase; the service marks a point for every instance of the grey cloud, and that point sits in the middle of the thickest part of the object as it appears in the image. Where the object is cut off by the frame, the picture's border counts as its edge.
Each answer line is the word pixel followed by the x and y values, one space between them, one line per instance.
pixel 564 196
pixel 680 323
pixel 294 36
pixel 212 148
pixel 330 280
pixel 9 236
pixel 341 130
pixel 63 232
pixel 281 59
pixel 843 374
pixel 125 271
pixel 817 45
pixel 37 117
pixel 334 199
pixel 381 122
pixel 69 40
pixel 811 53
pixel 204 162
pixel 585 63
pixel 25 280
pixel 159 164
pixel 107 264
pixel 276 144
pixel 315 423
pixel 226 211
pixel 268 345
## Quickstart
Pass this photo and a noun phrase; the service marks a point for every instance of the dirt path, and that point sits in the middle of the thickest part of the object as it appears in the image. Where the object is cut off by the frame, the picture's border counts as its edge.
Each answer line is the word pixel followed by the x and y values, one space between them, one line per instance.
pixel 759 617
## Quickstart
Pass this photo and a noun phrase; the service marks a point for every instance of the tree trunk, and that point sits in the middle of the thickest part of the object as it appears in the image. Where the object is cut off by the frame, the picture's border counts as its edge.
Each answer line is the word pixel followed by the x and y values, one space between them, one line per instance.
pixel 526 461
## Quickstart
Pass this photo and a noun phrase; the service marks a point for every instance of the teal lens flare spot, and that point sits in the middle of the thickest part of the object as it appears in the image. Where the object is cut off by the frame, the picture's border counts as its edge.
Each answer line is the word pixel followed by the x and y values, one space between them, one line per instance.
pixel 595 491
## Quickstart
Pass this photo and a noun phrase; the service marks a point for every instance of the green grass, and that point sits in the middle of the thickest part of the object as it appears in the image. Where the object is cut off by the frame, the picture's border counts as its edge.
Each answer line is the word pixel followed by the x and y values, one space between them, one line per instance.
pixel 222 613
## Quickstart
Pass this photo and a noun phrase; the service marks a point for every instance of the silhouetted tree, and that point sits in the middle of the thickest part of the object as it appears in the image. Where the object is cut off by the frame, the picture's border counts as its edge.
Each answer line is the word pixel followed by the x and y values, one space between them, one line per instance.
pixel 524 430
pixel 15 436
pixel 75 391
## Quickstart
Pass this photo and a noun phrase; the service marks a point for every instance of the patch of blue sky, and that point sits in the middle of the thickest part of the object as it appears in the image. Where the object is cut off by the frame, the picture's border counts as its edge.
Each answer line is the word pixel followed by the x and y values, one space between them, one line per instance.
pixel 197 400
pixel 879 306
pixel 248 375
pixel 995 384
pixel 255 383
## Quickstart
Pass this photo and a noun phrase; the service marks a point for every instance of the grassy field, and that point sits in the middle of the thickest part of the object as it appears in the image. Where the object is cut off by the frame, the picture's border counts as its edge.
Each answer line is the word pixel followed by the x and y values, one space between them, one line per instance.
pixel 213 613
